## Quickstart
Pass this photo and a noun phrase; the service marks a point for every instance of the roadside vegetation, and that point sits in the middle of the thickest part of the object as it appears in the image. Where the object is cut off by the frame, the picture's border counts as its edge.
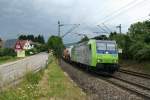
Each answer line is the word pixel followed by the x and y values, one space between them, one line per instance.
pixel 59 86
pixel 55 44
pixel 7 59
pixel 7 55
pixel 47 84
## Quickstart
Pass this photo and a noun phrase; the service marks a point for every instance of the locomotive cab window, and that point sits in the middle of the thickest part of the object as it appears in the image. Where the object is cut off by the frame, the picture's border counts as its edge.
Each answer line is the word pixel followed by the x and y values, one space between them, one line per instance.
pixel 111 46
pixel 101 46
pixel 105 46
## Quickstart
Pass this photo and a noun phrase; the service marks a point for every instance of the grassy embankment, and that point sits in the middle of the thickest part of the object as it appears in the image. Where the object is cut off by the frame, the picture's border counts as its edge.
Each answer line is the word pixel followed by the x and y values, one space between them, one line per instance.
pixel 48 84
pixel 134 65
pixel 7 59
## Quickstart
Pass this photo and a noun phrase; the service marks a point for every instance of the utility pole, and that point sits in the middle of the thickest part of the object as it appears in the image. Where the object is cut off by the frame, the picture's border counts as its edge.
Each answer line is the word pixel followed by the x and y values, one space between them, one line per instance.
pixel 59 28
pixel 69 31
pixel 149 16
pixel 119 26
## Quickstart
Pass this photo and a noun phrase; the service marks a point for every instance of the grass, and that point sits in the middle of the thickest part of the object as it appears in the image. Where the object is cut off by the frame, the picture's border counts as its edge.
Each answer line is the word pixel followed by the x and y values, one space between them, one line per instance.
pixel 134 65
pixel 58 86
pixel 7 59
pixel 28 89
pixel 48 84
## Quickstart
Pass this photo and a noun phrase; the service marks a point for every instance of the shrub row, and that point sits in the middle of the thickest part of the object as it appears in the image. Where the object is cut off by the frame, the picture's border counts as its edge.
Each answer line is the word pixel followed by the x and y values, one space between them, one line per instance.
pixel 7 52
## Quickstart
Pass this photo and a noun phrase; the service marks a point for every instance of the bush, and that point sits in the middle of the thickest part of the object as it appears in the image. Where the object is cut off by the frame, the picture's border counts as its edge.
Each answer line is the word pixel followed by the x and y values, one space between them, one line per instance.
pixel 31 51
pixel 5 58
pixel 143 53
pixel 7 52
pixel 41 47
pixel 32 78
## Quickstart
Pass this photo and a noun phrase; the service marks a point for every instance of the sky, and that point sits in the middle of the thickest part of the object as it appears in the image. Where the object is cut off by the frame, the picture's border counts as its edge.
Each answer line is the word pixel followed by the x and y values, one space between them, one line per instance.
pixel 41 17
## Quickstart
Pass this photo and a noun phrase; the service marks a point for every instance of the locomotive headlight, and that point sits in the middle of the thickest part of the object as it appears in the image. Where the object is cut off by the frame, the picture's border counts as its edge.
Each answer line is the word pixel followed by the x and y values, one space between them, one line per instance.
pixel 115 60
pixel 99 60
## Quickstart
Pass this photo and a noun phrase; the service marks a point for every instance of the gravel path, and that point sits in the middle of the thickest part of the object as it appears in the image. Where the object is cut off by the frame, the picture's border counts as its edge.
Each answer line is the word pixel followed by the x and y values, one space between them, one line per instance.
pixel 96 88
pixel 12 71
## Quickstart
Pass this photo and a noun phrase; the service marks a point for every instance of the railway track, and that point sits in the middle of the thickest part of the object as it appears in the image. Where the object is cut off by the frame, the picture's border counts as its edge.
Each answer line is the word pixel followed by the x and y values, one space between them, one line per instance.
pixel 135 88
pixel 142 75
pixel 138 89
pixel 135 91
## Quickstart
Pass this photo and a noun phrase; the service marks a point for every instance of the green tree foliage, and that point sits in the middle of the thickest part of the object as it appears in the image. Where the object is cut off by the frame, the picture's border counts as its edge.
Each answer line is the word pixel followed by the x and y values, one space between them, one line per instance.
pixel 123 42
pixel 22 37
pixel 136 43
pixel 101 37
pixel 55 43
pixel 7 52
pixel 39 38
pixel 140 36
pixel 30 37
pixel 84 39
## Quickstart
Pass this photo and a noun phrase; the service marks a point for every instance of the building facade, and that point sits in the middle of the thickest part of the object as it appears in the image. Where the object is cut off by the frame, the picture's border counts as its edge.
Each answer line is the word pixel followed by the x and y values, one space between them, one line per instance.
pixel 23 45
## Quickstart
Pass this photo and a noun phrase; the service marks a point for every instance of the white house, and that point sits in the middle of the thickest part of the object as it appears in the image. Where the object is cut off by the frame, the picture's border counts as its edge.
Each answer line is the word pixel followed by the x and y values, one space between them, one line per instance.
pixel 23 45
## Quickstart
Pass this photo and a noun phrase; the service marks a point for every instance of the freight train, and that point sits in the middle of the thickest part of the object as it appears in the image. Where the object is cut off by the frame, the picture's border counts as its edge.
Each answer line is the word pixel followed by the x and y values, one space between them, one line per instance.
pixel 99 55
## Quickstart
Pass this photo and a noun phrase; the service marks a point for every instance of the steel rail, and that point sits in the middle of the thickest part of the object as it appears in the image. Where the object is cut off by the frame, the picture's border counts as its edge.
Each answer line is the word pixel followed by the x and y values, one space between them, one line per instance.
pixel 142 75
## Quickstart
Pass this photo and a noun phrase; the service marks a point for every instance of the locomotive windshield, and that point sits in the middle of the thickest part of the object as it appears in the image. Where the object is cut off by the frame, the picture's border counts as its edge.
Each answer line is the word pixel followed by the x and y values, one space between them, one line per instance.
pixel 101 46
pixel 106 46
pixel 111 46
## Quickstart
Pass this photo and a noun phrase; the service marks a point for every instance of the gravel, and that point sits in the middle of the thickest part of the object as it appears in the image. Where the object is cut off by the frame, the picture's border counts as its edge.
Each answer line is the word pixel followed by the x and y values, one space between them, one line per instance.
pixel 134 79
pixel 95 87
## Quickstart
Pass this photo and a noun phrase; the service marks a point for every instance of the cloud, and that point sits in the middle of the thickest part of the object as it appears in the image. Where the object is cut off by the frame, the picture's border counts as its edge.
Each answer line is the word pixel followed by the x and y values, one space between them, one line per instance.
pixel 41 16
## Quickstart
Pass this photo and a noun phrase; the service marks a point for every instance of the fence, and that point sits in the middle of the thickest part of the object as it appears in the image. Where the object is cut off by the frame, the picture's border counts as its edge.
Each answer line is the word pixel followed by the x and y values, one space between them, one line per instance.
pixel 12 73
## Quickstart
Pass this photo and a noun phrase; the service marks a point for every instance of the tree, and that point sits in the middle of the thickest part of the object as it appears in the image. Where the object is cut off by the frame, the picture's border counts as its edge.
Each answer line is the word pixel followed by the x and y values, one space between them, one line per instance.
pixel 140 30
pixel 123 42
pixel 40 39
pixel 30 37
pixel 55 43
pixel 84 39
pixel 139 34
pixel 112 34
pixel 101 37
pixel 22 37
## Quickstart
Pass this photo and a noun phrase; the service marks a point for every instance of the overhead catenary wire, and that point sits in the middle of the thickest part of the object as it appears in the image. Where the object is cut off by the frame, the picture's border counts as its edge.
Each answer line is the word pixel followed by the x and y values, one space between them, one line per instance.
pixel 107 28
pixel 102 29
pixel 116 11
pixel 123 11
pixel 113 13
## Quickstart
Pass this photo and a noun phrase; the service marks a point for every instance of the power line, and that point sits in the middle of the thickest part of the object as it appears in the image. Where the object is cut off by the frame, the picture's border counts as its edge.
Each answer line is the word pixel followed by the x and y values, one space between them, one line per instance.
pixel 128 4
pixel 107 28
pixel 125 9
pixel 69 31
pixel 102 29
